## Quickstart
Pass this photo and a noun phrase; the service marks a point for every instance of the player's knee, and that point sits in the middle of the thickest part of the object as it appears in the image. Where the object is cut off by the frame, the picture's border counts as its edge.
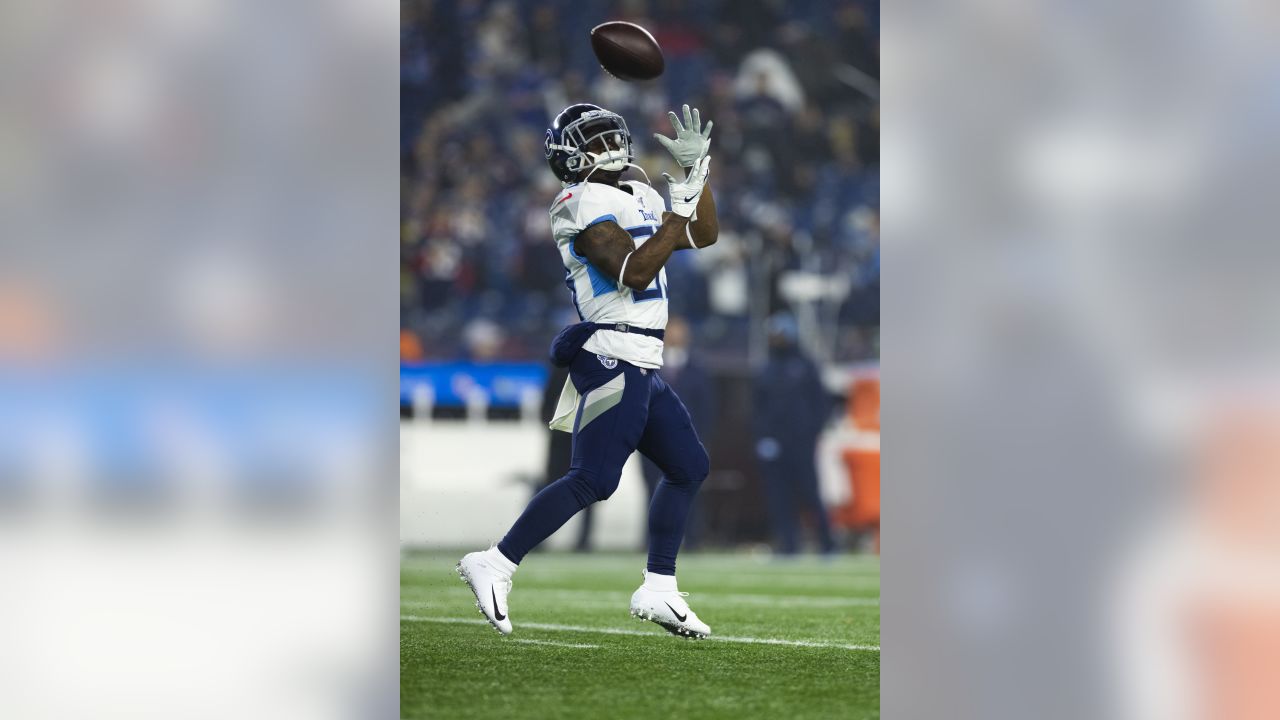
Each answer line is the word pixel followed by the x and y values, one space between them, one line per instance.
pixel 693 471
pixel 606 484
pixel 702 464
pixel 590 486
pixel 580 485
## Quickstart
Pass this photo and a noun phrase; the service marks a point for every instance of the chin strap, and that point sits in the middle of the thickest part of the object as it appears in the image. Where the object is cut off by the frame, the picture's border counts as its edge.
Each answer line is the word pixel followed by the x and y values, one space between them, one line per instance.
pixel 588 177
pixel 642 172
pixel 624 167
pixel 597 162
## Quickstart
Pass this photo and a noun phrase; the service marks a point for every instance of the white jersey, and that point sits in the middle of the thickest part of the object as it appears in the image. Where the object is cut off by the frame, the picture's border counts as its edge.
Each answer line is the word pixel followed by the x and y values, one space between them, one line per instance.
pixel 598 297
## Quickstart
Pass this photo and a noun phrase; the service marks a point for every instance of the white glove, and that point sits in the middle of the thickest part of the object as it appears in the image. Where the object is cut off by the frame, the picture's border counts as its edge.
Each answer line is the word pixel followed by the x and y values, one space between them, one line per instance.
pixel 685 193
pixel 692 141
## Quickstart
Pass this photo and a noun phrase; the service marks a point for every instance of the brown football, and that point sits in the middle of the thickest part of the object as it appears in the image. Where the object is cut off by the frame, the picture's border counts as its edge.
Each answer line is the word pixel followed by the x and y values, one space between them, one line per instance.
pixel 627 51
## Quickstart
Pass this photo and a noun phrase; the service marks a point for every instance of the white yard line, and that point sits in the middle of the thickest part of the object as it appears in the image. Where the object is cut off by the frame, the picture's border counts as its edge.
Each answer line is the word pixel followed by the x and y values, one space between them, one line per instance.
pixel 527 603
pixel 644 633
pixel 610 596
pixel 557 644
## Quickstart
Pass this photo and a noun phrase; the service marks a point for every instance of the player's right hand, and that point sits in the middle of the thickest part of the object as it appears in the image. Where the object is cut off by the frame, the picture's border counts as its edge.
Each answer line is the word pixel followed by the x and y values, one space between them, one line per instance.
pixel 685 193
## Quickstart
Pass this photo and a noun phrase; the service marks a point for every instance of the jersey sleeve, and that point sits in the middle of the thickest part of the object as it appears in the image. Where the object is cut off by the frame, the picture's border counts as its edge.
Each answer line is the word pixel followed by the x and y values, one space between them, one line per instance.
pixel 577 208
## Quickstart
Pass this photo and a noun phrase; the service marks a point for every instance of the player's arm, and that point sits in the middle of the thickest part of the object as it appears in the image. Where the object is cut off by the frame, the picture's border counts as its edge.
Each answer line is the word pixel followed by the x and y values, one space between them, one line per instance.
pixel 612 250
pixel 704 229
pixel 689 147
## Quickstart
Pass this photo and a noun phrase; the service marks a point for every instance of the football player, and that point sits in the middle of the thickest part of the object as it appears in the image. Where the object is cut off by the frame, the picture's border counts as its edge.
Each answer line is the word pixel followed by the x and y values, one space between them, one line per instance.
pixel 614 237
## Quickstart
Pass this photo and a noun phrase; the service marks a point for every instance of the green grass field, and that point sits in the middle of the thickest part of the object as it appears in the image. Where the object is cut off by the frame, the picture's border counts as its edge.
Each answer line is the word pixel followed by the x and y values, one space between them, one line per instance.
pixel 799 639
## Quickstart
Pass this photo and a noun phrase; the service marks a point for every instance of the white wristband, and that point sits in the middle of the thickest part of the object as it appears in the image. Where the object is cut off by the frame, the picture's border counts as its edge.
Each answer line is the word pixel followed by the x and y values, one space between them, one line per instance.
pixel 623 272
pixel 688 232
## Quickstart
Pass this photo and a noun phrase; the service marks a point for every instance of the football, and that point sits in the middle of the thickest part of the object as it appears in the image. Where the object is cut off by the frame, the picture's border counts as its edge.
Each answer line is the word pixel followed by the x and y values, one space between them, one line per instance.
pixel 627 51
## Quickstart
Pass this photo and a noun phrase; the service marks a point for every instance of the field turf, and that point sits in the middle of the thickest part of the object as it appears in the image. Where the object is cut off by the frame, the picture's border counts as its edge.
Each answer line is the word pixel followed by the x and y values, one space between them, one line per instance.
pixel 797 639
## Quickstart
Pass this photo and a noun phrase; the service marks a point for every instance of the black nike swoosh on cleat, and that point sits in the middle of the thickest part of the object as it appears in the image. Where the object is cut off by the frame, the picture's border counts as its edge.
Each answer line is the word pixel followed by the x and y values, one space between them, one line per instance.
pixel 679 617
pixel 496 612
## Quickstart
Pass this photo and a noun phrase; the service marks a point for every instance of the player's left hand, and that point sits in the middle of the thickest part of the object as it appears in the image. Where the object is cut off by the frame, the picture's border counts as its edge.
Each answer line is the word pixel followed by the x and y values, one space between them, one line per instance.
pixel 686 193
pixel 692 140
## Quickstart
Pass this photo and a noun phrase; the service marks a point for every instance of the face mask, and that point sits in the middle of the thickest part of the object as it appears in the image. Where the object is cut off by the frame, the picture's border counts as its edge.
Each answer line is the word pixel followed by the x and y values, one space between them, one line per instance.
pixel 610 160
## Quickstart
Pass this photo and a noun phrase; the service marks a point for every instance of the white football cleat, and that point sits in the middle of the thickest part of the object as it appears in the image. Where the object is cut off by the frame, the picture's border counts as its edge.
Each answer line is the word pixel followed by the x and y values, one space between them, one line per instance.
pixel 666 606
pixel 491 585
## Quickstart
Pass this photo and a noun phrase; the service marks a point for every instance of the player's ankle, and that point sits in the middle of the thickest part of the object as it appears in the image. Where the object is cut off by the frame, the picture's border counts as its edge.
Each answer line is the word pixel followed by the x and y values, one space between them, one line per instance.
pixel 659 582
pixel 500 561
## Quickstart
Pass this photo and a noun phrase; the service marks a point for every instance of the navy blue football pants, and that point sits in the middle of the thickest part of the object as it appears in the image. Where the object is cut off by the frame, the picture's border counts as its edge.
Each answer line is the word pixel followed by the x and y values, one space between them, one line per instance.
pixel 621 409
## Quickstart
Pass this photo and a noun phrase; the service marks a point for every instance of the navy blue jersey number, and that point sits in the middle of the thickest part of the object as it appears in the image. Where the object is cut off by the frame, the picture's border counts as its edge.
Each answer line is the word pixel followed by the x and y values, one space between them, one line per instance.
pixel 655 291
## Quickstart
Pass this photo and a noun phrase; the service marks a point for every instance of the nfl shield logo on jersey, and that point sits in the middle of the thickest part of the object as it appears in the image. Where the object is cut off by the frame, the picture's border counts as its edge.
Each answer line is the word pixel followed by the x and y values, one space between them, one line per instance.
pixel 608 362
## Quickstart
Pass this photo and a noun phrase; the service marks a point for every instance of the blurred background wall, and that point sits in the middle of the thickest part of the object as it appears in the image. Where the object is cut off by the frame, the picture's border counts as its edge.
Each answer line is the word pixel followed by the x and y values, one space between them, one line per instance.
pixel 793 90
pixel 196 310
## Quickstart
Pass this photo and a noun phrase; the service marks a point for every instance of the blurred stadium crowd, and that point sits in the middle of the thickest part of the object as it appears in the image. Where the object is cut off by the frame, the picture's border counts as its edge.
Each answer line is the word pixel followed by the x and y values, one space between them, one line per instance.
pixel 792 88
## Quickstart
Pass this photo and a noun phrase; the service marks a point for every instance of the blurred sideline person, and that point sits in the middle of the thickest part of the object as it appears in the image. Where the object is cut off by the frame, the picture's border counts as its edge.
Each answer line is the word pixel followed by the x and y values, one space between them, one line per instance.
pixel 410 347
pixel 560 451
pixel 1194 620
pixel 791 408
pixel 615 238
pixel 695 387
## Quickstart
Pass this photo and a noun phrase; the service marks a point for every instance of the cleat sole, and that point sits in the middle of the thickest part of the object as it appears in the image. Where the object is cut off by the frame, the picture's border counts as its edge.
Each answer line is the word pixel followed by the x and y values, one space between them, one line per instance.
pixel 462 575
pixel 674 628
